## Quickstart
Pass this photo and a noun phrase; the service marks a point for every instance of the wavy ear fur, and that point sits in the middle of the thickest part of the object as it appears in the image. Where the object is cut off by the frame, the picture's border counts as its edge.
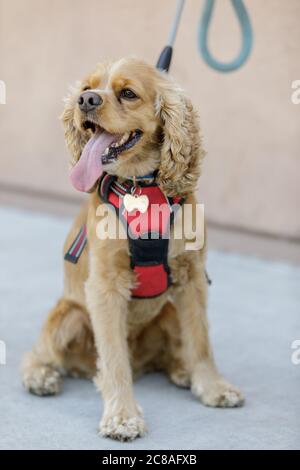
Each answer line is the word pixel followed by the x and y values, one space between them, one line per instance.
pixel 182 151
pixel 75 139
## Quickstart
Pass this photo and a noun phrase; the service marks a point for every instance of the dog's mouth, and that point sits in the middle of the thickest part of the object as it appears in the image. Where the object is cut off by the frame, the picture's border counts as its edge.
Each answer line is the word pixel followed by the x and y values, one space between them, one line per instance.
pixel 120 143
pixel 101 149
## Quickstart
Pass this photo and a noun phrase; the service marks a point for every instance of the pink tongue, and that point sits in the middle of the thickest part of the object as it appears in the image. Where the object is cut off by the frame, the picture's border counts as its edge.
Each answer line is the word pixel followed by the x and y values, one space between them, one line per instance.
pixel 88 169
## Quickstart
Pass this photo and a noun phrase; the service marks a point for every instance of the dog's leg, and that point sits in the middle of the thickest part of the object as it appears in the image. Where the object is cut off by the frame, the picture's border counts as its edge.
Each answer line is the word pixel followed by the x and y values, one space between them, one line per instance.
pixel 107 301
pixel 173 359
pixel 65 346
pixel 206 382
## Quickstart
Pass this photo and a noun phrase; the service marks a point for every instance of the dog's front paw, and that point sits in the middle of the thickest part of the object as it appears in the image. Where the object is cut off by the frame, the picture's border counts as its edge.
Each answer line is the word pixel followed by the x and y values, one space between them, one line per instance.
pixel 40 379
pixel 219 394
pixel 122 427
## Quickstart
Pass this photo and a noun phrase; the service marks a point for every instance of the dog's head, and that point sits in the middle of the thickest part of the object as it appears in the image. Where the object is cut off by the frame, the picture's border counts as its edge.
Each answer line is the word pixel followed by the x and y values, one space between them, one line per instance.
pixel 129 119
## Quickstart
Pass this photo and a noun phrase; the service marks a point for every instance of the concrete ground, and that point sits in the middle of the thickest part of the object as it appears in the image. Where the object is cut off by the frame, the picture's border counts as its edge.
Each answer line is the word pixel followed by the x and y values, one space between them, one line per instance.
pixel 254 312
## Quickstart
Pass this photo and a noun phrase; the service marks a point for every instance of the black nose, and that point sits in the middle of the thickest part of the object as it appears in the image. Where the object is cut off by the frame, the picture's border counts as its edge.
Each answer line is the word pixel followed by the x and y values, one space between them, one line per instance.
pixel 88 101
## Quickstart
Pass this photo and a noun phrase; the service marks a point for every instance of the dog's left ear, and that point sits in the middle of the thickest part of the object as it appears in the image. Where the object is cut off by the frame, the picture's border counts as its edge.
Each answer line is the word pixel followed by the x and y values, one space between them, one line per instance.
pixel 182 151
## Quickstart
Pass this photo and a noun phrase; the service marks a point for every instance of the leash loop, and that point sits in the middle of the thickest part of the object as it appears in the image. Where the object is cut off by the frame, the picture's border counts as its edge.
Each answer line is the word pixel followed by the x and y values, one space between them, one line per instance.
pixel 246 32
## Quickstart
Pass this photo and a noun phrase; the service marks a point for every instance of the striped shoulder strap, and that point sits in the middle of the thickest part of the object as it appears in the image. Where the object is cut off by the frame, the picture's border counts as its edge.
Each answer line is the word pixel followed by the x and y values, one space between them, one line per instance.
pixel 77 247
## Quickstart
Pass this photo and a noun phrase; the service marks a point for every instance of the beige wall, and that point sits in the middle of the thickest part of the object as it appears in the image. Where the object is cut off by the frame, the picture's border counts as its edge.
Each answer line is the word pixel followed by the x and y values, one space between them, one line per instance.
pixel 250 127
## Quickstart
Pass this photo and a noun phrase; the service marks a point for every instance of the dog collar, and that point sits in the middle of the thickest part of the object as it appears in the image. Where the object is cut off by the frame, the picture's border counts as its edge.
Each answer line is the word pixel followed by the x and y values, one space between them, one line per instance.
pixel 145 179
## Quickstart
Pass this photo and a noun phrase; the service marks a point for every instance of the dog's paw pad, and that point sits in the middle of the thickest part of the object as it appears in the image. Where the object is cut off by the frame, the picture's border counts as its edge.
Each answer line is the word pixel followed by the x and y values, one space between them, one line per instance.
pixel 122 428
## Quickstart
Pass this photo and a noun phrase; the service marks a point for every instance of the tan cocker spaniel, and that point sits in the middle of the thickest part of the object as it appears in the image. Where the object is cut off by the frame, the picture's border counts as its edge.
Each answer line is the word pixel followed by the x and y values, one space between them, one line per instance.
pixel 124 121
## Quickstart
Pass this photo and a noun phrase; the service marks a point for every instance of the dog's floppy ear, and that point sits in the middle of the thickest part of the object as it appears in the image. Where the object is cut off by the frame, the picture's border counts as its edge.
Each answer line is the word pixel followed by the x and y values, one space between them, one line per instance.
pixel 181 152
pixel 75 139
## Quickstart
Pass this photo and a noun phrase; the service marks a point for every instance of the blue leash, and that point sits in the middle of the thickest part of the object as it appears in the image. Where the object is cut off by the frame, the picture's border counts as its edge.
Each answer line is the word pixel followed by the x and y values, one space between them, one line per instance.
pixel 246 31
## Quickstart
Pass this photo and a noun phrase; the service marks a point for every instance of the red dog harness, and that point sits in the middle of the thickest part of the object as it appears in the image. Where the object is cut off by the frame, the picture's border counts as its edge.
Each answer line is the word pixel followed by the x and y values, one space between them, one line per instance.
pixel 147 232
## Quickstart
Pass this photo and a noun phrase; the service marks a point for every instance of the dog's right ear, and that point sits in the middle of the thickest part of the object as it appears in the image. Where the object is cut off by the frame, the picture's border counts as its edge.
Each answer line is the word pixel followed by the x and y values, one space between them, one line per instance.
pixel 75 138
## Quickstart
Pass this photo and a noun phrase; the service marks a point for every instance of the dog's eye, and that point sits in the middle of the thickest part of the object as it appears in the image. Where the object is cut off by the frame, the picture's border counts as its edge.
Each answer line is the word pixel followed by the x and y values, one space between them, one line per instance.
pixel 128 94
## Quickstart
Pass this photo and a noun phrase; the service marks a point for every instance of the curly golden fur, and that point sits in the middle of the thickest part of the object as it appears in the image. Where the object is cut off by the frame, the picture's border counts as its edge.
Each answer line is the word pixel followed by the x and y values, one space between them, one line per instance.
pixel 97 329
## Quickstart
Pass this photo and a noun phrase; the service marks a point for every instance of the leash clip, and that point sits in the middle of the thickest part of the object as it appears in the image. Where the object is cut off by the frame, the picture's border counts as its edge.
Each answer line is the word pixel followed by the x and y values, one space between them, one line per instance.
pixel 135 187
